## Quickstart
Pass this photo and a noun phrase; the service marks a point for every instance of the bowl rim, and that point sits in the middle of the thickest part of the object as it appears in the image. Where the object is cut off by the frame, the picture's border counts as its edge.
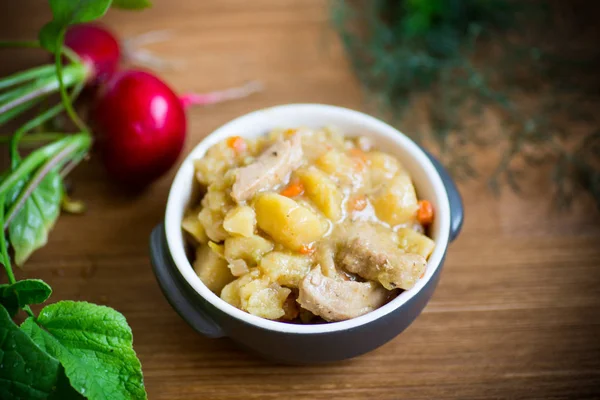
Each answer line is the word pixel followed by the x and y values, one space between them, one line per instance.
pixel 376 128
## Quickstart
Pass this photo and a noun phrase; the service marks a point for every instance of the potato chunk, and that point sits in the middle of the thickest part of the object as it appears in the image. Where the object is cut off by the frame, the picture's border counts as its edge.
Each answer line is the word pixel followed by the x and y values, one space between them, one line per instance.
pixel 215 205
pixel 396 202
pixel 218 249
pixel 322 191
pixel 383 167
pixel 217 160
pixel 316 142
pixel 238 267
pixel 231 291
pixel 256 295
pixel 250 249
pixel 263 298
pixel 240 220
pixel 212 269
pixel 192 225
pixel 287 222
pixel 284 268
pixel 412 241
pixel 339 165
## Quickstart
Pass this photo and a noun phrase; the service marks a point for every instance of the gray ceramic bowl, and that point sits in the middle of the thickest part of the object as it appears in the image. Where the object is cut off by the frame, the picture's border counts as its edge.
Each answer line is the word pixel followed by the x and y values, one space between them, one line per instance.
pixel 294 343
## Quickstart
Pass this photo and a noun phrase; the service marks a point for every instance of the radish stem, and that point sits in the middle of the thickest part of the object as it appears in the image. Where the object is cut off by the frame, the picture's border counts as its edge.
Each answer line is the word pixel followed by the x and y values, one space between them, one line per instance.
pixel 72 144
pixel 72 164
pixel 40 119
pixel 35 137
pixel 36 158
pixel 7 116
pixel 61 85
pixel 71 55
pixel 203 99
pixel 27 309
pixel 29 96
pixel 16 92
pixel 74 73
pixel 133 52
pixel 35 181
pixel 33 73
pixel 37 121
pixel 32 44
pixel 3 247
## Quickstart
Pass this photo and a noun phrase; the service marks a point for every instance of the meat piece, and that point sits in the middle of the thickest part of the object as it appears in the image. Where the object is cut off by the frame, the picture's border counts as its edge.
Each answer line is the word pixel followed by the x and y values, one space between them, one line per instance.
pixel 325 256
pixel 338 300
pixel 371 252
pixel 291 307
pixel 269 169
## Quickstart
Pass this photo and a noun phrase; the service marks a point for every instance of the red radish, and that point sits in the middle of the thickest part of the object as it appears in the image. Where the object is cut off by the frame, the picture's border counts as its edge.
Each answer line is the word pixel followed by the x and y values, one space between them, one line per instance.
pixel 97 47
pixel 140 126
pixel 140 123
pixel 102 51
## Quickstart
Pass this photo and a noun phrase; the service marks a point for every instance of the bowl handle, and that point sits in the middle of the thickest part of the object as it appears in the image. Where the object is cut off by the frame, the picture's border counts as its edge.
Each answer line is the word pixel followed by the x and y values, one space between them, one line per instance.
pixel 176 290
pixel 457 212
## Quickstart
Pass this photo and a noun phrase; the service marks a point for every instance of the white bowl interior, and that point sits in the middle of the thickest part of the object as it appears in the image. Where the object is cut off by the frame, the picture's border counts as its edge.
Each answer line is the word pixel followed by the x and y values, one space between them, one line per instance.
pixel 352 123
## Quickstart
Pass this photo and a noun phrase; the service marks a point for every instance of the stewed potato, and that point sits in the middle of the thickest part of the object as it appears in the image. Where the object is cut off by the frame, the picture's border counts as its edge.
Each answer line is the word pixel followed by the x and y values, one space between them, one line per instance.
pixel 287 269
pixel 212 269
pixel 396 201
pixel 193 227
pixel 322 191
pixel 240 220
pixel 250 249
pixel 287 222
pixel 412 241
pixel 305 225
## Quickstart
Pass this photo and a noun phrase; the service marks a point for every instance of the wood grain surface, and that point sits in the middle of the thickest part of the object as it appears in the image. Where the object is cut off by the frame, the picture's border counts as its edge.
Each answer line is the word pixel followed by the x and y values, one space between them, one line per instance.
pixel 517 311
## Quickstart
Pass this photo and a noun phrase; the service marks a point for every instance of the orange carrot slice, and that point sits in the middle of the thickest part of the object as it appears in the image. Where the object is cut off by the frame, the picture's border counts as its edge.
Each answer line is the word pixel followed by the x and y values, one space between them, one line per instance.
pixel 295 188
pixel 425 212
pixel 357 203
pixel 237 143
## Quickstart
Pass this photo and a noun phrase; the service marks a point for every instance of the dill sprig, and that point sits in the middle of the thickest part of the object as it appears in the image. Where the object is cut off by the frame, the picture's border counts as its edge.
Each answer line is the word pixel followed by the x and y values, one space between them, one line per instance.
pixel 443 68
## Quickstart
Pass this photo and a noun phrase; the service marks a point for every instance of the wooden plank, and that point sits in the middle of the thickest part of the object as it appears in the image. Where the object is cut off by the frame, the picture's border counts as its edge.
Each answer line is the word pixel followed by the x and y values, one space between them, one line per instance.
pixel 515 315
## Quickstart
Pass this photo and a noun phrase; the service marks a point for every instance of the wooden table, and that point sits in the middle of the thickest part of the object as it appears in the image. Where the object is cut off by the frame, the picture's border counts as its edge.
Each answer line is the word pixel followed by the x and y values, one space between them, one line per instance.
pixel 517 311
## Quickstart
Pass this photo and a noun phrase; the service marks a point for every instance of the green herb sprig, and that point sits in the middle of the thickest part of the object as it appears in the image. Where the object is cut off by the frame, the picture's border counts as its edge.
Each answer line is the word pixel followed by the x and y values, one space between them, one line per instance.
pixel 436 67
pixel 70 350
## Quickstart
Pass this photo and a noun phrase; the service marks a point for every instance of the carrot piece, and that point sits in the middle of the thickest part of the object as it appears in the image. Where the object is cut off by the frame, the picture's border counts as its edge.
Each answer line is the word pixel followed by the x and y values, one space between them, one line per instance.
pixel 306 249
pixel 359 166
pixel 294 189
pixel 289 132
pixel 360 158
pixel 425 212
pixel 237 143
pixel 357 203
pixel 358 153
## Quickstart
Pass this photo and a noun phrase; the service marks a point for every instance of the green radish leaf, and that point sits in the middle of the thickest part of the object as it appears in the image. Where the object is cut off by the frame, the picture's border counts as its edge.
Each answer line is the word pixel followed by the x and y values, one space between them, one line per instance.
pixel 9 299
pixel 26 371
pixel 28 231
pixel 94 345
pixel 63 389
pixel 69 12
pixel 25 292
pixel 50 35
pixel 132 4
